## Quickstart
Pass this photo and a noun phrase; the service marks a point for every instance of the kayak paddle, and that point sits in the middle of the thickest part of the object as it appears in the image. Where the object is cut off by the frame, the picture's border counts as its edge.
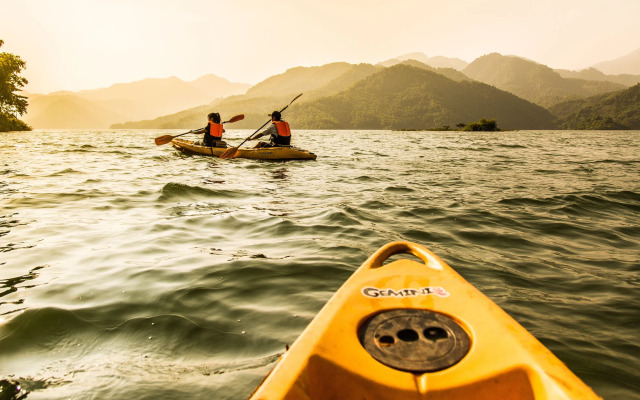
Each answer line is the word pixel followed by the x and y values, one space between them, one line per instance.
pixel 168 138
pixel 230 153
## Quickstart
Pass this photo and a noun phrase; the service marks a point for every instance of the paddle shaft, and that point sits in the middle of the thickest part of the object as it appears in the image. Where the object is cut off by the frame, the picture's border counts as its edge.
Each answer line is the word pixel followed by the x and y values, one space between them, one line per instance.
pixel 265 124
pixel 198 130
pixel 186 133
pixel 168 138
pixel 234 119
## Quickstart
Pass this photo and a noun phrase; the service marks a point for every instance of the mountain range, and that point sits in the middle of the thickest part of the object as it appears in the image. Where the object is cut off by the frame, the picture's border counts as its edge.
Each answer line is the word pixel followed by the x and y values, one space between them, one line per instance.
pixel 629 64
pixel 100 108
pixel 435 62
pixel 534 82
pixel 420 93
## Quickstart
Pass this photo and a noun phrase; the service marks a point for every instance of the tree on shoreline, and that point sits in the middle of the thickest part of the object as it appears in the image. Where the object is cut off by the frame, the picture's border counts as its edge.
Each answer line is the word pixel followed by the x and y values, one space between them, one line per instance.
pixel 483 125
pixel 12 104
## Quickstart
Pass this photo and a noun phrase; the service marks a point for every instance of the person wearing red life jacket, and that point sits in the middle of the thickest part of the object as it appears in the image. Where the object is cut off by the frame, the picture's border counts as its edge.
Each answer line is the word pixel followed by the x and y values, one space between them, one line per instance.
pixel 279 132
pixel 212 132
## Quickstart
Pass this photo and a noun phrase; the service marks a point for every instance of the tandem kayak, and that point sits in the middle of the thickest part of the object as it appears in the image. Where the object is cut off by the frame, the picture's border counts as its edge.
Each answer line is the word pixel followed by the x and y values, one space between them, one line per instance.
pixel 264 153
pixel 416 330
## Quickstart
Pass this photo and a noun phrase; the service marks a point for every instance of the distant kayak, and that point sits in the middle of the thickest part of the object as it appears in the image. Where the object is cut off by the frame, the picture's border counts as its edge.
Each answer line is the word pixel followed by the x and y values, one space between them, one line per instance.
pixel 415 329
pixel 265 153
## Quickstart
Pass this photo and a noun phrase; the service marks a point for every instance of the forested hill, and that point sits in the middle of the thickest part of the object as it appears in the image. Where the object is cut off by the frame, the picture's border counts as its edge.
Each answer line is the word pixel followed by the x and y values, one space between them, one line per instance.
pixel 299 79
pixel 619 110
pixel 406 97
pixel 532 81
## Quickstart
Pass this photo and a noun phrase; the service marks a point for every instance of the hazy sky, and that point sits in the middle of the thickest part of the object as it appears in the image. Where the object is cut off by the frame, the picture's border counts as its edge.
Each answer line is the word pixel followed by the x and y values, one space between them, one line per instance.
pixel 84 44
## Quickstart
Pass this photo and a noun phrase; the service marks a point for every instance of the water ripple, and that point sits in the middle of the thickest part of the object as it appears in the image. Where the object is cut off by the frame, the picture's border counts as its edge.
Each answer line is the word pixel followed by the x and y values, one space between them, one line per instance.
pixel 128 270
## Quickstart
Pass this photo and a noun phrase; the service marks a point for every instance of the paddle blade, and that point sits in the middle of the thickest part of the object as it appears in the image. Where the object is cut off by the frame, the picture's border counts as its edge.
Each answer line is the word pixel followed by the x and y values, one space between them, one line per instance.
pixel 163 140
pixel 229 153
pixel 237 118
pixel 295 98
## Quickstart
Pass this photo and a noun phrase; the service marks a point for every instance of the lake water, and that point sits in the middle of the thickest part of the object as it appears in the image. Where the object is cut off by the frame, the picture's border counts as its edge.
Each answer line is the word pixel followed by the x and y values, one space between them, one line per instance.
pixel 129 270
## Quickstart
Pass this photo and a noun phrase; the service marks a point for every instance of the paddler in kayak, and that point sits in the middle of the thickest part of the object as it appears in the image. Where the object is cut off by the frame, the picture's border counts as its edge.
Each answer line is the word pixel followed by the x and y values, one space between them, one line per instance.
pixel 212 132
pixel 279 131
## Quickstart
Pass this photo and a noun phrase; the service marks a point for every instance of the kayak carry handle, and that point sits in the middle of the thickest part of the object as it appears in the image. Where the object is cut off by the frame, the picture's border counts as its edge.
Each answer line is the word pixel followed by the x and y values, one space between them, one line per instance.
pixel 403 247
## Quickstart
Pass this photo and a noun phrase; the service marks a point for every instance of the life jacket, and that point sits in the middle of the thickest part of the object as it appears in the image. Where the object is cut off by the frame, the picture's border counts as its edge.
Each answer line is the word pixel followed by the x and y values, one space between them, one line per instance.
pixel 283 128
pixel 215 130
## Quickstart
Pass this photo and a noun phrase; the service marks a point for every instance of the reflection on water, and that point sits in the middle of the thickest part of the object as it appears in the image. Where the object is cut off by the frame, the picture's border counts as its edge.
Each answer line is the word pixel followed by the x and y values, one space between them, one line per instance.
pixel 14 284
pixel 280 174
pixel 128 270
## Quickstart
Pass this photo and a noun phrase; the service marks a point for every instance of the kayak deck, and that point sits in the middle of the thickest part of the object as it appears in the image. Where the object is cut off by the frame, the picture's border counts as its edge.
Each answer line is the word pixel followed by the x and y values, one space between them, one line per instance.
pixel 416 330
pixel 264 153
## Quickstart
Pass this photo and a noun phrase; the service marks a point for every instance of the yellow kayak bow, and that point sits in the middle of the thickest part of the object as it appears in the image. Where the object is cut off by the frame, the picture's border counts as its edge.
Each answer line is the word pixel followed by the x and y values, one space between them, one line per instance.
pixel 416 330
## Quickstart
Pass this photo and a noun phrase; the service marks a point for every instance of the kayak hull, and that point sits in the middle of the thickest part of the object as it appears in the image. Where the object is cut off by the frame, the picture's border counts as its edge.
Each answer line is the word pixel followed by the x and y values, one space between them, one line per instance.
pixel 488 356
pixel 265 153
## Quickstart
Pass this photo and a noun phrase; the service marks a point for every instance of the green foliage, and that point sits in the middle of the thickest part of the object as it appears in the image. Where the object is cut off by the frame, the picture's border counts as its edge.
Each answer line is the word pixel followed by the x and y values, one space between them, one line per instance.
pixel 10 123
pixel 11 104
pixel 619 110
pixel 482 125
pixel 599 122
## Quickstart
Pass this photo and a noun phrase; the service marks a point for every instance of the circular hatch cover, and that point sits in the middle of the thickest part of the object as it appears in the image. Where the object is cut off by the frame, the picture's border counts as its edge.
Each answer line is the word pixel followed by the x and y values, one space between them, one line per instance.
pixel 414 340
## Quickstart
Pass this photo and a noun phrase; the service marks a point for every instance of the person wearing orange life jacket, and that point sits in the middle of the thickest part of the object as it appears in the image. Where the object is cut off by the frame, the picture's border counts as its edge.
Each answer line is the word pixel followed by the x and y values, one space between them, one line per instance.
pixel 212 132
pixel 279 131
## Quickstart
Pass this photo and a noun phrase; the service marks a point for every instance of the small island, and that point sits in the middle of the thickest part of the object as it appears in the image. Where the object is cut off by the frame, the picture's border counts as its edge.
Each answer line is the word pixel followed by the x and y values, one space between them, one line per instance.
pixel 484 125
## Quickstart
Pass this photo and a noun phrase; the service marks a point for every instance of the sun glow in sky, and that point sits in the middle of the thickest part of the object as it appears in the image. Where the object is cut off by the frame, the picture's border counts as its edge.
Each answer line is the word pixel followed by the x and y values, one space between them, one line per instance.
pixel 86 44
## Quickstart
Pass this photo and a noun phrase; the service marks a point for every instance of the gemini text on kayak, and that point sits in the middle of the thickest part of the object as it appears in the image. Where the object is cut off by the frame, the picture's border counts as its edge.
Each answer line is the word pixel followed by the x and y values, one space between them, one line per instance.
pixel 425 291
